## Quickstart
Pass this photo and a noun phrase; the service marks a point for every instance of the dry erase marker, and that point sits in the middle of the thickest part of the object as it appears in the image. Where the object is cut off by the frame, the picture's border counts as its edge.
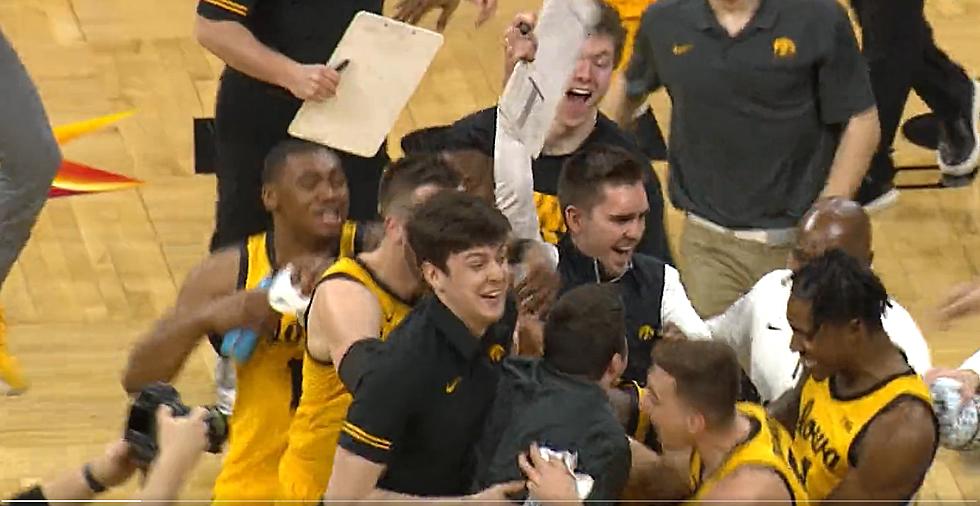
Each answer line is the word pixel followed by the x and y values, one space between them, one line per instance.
pixel 342 65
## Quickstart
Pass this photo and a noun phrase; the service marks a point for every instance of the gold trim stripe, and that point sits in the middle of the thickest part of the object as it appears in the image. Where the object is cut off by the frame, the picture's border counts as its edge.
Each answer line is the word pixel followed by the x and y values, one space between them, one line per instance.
pixel 229 5
pixel 361 435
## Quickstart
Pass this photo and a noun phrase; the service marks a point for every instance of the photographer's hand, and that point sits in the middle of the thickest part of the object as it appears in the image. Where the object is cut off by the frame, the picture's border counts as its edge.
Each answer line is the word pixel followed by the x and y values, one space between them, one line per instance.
pixel 181 442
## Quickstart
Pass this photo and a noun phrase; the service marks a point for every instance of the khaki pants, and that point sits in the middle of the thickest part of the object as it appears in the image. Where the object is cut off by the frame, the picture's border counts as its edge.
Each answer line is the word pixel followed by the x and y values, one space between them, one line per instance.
pixel 719 268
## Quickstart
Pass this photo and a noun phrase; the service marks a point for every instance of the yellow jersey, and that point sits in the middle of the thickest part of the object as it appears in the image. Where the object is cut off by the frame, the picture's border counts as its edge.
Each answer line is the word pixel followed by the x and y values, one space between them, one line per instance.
pixel 767 446
pixel 828 427
pixel 305 468
pixel 630 12
pixel 267 390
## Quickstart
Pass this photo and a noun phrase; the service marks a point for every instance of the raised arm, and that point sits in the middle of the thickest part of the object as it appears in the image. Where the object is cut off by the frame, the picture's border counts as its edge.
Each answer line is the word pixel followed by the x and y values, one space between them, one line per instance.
pixel 209 303
pixel 342 313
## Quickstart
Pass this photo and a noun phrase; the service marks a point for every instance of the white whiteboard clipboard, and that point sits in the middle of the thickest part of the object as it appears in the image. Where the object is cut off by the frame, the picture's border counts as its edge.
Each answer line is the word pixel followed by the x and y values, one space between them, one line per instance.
pixel 387 61
pixel 530 98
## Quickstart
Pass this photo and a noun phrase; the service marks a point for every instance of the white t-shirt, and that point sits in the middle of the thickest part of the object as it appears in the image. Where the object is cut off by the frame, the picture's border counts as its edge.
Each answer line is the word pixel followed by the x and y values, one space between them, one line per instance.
pixel 757 328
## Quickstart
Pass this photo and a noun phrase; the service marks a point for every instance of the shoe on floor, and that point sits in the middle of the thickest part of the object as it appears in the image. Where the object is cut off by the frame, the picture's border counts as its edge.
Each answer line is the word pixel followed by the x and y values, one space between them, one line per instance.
pixel 876 196
pixel 12 381
pixel 959 141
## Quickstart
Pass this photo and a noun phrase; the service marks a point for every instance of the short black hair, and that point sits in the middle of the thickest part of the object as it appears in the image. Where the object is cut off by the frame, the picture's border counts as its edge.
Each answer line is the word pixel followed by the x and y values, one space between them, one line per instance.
pixel 611 25
pixel 840 289
pixel 276 159
pixel 585 329
pixel 706 373
pixel 450 222
pixel 402 177
pixel 585 174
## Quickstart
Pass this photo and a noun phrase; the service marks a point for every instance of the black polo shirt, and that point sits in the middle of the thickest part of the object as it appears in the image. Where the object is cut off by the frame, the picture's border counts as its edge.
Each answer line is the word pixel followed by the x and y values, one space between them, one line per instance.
pixel 756 118
pixel 642 289
pixel 419 410
pixel 478 131
pixel 307 31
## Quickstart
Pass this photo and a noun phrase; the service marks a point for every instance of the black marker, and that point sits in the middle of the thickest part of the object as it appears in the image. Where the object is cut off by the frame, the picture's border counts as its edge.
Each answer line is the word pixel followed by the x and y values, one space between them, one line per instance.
pixel 342 65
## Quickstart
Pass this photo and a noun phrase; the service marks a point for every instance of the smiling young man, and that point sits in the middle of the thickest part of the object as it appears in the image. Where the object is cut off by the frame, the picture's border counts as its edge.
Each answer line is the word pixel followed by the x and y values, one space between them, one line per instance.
pixel 578 125
pixel 419 409
pixel 862 419
pixel 602 196
pixel 734 451
pixel 305 190
pixel 358 301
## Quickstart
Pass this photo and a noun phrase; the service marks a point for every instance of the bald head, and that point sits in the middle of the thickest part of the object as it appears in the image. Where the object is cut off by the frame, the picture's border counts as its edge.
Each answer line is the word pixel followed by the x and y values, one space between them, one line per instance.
pixel 833 224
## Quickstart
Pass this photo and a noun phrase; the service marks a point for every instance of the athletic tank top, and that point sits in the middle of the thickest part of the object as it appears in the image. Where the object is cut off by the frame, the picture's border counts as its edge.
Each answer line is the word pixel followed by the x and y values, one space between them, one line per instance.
pixel 268 389
pixel 767 446
pixel 306 466
pixel 829 428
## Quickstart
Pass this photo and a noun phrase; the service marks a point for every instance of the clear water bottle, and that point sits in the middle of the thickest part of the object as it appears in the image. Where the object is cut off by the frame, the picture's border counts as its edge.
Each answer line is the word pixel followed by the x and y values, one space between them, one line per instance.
pixel 959 421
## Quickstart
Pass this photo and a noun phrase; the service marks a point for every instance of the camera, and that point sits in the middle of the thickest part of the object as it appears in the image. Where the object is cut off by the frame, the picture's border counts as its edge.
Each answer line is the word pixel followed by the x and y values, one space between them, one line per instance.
pixel 141 429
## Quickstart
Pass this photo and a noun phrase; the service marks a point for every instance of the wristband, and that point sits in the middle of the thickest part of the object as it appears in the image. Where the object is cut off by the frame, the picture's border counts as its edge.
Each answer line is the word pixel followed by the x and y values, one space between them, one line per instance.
pixel 91 481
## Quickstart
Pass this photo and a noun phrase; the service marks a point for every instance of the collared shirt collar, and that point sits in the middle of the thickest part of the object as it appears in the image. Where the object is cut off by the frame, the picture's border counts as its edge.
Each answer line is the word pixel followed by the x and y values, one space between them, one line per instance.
pixel 452 328
pixel 764 17
pixel 580 262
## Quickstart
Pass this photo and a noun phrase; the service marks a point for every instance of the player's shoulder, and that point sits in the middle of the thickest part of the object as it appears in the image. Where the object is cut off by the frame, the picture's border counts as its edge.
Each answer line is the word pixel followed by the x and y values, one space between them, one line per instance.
pixel 218 272
pixel 812 11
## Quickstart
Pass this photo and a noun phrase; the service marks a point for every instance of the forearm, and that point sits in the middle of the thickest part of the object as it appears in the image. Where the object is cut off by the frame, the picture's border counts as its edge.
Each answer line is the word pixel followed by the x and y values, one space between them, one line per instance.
pixel 857 145
pixel 514 182
pixel 159 355
pixel 70 486
pixel 165 479
pixel 785 408
pixel 240 50
pixel 622 105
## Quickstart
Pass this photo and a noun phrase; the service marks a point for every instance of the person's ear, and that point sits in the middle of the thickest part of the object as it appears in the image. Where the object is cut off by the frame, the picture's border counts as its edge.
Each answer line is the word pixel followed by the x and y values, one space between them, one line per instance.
pixel 432 275
pixel 270 198
pixel 573 219
pixel 696 423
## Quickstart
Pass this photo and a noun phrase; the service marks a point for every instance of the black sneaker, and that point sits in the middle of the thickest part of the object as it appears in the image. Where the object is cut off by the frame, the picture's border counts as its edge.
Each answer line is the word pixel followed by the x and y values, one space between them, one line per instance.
pixel 876 195
pixel 959 142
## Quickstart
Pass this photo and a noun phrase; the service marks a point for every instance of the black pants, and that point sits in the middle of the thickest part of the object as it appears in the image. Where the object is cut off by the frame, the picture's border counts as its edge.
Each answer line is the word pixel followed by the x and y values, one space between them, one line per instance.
pixel 250 119
pixel 902 55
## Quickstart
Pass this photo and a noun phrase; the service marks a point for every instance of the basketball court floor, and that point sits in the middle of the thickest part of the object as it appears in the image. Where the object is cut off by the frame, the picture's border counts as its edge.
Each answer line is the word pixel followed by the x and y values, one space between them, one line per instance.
pixel 101 267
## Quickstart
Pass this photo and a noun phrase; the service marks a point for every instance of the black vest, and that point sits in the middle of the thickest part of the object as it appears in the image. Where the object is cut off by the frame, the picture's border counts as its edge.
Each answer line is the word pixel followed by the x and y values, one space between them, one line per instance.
pixel 642 288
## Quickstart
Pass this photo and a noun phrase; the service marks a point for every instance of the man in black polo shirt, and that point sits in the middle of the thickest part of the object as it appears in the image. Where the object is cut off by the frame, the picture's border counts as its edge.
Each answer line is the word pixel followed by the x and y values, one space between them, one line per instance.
pixel 577 125
pixel 771 109
pixel 275 52
pixel 419 409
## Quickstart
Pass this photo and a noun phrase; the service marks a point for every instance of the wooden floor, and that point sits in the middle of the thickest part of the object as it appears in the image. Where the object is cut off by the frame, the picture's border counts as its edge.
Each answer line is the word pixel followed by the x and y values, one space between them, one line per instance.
pixel 99 268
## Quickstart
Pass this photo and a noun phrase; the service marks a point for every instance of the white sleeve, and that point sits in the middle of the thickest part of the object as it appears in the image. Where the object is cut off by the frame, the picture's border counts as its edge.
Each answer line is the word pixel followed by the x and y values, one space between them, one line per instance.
pixel 734 326
pixel 972 363
pixel 905 334
pixel 676 308
pixel 514 182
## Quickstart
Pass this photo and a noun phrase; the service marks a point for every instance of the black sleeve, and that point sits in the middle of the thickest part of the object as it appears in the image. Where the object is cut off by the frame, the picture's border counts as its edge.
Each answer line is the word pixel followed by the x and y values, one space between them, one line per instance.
pixel 843 79
pixel 610 469
pixel 641 72
pixel 382 406
pixel 358 360
pixel 225 10
pixel 33 494
pixel 654 241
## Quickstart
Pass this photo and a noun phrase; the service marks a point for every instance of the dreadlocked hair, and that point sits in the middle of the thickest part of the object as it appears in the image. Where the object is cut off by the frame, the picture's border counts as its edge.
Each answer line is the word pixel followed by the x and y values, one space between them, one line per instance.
pixel 841 289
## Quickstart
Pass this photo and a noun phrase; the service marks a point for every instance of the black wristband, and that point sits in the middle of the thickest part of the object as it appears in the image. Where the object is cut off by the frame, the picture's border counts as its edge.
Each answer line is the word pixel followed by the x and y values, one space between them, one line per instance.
pixel 91 481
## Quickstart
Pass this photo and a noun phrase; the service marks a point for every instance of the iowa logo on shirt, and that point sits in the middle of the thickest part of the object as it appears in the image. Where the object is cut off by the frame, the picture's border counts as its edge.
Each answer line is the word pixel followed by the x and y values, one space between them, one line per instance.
pixel 646 333
pixel 783 47
pixel 496 353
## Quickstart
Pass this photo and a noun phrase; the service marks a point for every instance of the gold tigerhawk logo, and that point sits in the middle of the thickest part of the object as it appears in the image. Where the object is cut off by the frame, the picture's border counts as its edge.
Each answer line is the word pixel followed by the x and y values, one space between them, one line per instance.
pixel 645 333
pixel 451 386
pixel 680 49
pixel 496 353
pixel 784 47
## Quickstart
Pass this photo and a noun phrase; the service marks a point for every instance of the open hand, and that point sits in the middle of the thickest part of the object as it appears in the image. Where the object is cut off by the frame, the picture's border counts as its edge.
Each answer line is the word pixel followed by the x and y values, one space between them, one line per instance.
pixel 412 11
